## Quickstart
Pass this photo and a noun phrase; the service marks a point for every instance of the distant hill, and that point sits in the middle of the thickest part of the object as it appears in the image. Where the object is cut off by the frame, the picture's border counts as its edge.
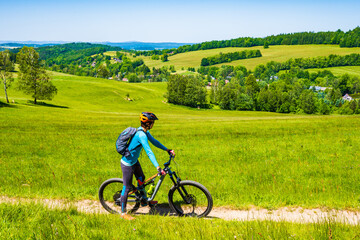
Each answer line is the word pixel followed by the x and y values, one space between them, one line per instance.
pixel 20 44
pixel 146 45
pixel 73 51
pixel 125 45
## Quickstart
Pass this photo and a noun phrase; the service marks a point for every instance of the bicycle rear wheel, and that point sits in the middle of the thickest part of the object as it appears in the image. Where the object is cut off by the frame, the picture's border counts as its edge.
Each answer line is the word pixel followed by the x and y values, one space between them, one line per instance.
pixel 110 193
pixel 190 199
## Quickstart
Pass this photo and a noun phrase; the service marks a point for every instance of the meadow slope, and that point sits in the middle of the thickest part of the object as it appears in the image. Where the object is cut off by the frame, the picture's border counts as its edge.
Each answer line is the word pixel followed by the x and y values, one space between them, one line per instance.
pixel 65 148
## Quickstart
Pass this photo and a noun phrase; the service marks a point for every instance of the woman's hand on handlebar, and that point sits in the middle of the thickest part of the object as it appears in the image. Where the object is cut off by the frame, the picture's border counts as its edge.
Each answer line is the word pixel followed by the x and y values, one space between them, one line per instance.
pixel 161 171
pixel 171 152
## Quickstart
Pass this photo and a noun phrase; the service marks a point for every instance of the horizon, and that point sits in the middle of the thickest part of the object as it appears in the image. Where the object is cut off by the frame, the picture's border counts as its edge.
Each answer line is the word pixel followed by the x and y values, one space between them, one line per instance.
pixel 170 22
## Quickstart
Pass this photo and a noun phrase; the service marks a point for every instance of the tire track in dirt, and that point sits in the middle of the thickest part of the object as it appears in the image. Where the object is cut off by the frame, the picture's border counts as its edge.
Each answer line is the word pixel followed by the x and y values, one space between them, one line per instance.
pixel 288 214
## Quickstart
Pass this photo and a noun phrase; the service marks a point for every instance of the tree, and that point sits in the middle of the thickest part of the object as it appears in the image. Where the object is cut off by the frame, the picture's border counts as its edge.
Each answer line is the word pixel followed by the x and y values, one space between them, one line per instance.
pixel 244 102
pixel 227 96
pixel 132 77
pixel 324 108
pixel 266 44
pixel 164 57
pixel 33 78
pixel 195 92
pixel 308 101
pixel 103 71
pixel 251 85
pixel 172 68
pixel 343 84
pixel 354 84
pixel 6 68
pixel 204 62
pixel 334 95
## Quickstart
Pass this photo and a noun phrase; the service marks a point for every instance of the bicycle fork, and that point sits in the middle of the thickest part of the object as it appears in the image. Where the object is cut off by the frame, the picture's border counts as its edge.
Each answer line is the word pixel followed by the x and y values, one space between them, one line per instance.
pixel 182 191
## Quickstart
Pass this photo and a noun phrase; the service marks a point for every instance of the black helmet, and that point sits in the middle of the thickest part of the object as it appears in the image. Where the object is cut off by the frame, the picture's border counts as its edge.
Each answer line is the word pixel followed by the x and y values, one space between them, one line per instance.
pixel 147 117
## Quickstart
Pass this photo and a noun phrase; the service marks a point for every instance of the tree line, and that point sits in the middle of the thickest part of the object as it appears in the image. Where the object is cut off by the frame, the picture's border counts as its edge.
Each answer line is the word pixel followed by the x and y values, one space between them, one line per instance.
pixel 229 57
pixel 350 38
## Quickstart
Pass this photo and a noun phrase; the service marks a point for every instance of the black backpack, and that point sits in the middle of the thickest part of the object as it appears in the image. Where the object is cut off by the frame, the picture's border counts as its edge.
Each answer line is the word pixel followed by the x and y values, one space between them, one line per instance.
pixel 123 141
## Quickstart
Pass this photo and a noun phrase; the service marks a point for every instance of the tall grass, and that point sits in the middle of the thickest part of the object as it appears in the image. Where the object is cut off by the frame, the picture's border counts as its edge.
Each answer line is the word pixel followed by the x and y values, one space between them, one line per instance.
pixel 36 222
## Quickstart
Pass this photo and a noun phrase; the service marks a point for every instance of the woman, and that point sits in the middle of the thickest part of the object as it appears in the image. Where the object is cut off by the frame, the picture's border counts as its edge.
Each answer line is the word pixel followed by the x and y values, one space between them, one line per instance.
pixel 130 164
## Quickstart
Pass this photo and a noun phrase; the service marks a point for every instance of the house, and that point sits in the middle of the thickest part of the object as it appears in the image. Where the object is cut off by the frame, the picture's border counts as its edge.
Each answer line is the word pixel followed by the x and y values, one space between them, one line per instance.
pixel 347 97
pixel 117 60
pixel 317 88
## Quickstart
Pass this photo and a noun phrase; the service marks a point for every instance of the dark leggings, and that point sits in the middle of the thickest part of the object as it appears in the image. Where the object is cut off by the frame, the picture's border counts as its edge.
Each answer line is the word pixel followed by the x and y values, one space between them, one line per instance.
pixel 128 172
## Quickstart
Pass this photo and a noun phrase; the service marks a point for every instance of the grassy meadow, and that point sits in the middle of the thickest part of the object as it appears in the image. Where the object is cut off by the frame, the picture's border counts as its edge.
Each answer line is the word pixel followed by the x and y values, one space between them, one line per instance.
pixel 273 53
pixel 36 222
pixel 338 71
pixel 65 149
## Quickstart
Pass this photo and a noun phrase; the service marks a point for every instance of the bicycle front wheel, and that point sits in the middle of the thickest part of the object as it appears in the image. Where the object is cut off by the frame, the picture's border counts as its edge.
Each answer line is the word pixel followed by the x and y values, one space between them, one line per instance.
pixel 110 193
pixel 190 198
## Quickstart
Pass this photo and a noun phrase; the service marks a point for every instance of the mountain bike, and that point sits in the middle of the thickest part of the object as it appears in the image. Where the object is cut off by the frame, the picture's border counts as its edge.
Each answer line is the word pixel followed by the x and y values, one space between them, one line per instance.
pixel 186 198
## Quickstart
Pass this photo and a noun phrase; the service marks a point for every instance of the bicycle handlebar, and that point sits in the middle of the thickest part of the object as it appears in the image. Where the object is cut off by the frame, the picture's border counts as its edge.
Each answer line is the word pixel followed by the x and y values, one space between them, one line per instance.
pixel 168 162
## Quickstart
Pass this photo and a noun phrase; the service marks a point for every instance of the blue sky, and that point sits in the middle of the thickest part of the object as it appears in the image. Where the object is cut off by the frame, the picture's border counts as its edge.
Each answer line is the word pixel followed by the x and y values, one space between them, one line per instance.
pixel 169 21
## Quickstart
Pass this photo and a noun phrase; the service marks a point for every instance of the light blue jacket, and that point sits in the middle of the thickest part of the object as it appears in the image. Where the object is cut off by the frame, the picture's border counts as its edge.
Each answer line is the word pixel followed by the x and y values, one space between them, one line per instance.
pixel 138 142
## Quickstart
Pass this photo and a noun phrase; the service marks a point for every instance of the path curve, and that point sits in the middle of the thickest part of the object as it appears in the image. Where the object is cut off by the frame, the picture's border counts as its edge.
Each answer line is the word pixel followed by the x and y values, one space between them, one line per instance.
pixel 288 214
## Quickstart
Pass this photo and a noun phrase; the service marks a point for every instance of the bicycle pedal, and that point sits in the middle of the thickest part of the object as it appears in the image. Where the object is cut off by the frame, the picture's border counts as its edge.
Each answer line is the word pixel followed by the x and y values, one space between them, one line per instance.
pixel 153 203
pixel 143 203
pixel 118 202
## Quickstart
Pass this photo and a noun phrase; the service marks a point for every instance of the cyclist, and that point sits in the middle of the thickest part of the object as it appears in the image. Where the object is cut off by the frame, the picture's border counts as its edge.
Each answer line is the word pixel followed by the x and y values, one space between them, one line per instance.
pixel 130 165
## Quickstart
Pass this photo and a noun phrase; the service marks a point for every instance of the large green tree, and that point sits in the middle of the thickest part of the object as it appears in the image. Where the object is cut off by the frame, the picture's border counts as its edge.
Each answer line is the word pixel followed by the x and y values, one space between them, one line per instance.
pixel 164 57
pixel 103 71
pixel 33 78
pixel 6 68
pixel 308 101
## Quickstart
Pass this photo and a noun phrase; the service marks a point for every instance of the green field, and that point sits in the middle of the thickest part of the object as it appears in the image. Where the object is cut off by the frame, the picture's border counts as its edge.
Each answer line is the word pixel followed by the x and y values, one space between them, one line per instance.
pixel 273 53
pixel 338 71
pixel 65 148
pixel 36 222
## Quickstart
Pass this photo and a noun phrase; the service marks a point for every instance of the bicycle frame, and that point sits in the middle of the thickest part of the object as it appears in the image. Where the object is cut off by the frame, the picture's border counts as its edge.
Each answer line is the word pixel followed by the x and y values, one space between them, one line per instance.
pixel 157 187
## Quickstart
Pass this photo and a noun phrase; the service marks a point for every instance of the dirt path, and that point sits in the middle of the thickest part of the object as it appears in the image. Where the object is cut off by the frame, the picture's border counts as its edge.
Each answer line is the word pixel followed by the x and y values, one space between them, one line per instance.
pixel 282 214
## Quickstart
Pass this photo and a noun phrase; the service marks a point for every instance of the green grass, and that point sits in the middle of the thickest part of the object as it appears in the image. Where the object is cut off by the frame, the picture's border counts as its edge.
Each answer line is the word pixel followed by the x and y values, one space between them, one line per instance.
pixel 66 148
pixel 29 221
pixel 338 71
pixel 273 53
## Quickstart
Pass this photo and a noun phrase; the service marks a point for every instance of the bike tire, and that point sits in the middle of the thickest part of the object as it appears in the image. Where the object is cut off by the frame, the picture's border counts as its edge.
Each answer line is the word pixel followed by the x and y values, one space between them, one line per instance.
pixel 110 191
pixel 198 201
